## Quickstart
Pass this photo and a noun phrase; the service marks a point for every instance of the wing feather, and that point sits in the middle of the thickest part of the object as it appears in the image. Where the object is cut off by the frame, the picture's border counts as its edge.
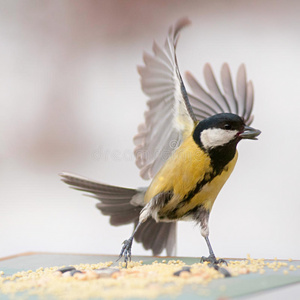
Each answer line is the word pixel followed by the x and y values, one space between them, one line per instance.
pixel 203 99
pixel 228 87
pixel 172 112
pixel 214 88
pixel 241 89
pixel 169 118
pixel 249 102
pixel 217 100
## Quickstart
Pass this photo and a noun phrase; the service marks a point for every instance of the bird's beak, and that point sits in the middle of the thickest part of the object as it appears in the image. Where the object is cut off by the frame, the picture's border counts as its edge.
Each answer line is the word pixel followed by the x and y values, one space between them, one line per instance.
pixel 250 133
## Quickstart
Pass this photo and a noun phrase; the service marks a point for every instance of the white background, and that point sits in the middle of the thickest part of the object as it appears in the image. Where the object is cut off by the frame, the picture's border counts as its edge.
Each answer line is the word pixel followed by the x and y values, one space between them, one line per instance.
pixel 70 100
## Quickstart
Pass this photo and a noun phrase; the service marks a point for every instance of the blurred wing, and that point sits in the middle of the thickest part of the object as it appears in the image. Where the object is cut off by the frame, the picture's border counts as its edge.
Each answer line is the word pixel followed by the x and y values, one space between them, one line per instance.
pixel 169 118
pixel 206 104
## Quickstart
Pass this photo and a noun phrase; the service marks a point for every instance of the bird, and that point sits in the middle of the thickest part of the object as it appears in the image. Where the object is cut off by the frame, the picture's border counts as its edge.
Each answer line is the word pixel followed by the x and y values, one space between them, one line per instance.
pixel 187 147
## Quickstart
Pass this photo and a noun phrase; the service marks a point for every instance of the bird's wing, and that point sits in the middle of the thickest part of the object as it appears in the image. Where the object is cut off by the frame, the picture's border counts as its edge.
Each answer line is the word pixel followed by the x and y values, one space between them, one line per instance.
pixel 169 118
pixel 238 101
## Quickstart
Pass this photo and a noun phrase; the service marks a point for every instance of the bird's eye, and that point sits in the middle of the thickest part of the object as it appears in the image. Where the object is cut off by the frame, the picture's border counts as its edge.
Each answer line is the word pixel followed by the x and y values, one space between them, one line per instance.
pixel 227 126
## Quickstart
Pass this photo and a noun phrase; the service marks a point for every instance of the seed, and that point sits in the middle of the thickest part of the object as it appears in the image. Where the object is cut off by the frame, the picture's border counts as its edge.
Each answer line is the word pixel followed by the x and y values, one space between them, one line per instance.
pixel 66 269
pixel 80 276
pixel 292 268
pixel 92 275
pixel 57 273
pixel 74 272
pixel 66 274
pixel 185 274
pixel 184 269
pixel 106 272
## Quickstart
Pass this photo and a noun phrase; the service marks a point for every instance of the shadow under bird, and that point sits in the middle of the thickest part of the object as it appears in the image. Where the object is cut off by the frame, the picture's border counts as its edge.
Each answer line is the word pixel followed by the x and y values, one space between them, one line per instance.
pixel 187 146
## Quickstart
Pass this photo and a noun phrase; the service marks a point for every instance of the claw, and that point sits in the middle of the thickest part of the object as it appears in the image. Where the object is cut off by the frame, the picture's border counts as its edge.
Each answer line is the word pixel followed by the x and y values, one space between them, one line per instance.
pixel 126 251
pixel 222 261
pixel 213 263
pixel 212 260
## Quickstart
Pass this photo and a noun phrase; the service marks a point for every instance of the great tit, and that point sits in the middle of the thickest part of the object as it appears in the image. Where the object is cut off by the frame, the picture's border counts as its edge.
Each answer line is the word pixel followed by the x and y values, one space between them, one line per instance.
pixel 187 146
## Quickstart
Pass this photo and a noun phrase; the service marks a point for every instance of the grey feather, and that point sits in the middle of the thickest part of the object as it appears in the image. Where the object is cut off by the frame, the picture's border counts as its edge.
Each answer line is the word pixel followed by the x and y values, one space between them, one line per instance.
pixel 204 101
pixel 241 89
pixel 206 104
pixel 156 236
pixel 214 88
pixel 115 201
pixel 228 88
pixel 169 112
pixel 124 205
pixel 249 103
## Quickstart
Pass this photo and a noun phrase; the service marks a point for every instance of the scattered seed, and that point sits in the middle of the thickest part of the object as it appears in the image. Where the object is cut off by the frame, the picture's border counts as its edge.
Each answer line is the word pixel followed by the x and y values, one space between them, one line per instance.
pixel 66 269
pixel 66 274
pixel 185 274
pixel 101 281
pixel 106 272
pixel 74 272
pixel 184 269
pixel 292 268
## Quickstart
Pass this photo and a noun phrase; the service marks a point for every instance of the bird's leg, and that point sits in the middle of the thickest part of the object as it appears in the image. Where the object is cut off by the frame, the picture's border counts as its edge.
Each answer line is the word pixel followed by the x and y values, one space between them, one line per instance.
pixel 127 244
pixel 202 217
pixel 211 258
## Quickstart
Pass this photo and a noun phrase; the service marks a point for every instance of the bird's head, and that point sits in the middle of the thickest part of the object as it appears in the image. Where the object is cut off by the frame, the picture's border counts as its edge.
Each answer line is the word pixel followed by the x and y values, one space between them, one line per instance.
pixel 222 130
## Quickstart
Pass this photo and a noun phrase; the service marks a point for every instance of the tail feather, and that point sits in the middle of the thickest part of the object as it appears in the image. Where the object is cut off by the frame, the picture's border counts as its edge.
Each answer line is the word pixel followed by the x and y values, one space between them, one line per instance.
pixel 120 214
pixel 156 236
pixel 114 209
pixel 162 235
pixel 171 241
pixel 114 200
pixel 117 203
pixel 123 219
pixel 97 188
pixel 110 200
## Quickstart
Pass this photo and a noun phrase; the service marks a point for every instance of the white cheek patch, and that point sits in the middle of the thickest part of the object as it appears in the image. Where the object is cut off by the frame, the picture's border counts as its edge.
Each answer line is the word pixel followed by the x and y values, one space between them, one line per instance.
pixel 214 137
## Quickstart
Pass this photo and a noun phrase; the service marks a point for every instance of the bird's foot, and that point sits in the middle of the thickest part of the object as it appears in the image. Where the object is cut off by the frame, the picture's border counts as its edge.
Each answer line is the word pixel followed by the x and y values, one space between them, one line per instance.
pixel 212 260
pixel 214 263
pixel 126 250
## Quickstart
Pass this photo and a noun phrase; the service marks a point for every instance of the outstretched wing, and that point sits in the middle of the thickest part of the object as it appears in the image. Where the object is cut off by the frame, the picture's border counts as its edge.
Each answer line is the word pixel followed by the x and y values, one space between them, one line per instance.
pixel 206 104
pixel 169 118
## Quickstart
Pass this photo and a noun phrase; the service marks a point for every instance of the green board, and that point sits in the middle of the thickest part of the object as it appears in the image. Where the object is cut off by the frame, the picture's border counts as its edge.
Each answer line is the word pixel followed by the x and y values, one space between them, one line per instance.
pixel 227 288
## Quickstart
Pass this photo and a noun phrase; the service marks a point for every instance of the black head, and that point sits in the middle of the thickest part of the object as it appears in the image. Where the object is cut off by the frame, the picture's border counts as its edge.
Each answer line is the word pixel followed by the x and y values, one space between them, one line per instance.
pixel 218 130
pixel 218 135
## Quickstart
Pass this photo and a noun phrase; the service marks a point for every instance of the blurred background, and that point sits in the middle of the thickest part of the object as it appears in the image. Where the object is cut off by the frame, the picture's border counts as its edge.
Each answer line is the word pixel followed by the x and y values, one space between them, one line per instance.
pixel 70 100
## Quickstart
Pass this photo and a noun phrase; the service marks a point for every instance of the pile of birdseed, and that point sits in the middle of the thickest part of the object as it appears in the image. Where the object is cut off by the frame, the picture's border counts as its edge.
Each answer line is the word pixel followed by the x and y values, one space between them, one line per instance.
pixel 102 280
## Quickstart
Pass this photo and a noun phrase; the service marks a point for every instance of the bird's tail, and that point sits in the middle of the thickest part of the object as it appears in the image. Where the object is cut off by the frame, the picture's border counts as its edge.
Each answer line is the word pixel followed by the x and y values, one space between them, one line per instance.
pixel 124 205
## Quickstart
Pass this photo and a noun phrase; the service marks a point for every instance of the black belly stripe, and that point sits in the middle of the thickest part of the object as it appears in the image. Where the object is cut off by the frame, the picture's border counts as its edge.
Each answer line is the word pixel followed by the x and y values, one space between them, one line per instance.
pixel 220 157
pixel 173 214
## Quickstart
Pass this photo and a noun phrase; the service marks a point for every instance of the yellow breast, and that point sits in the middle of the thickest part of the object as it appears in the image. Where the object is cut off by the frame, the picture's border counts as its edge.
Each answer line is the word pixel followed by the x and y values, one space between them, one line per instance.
pixel 183 171
pixel 209 192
